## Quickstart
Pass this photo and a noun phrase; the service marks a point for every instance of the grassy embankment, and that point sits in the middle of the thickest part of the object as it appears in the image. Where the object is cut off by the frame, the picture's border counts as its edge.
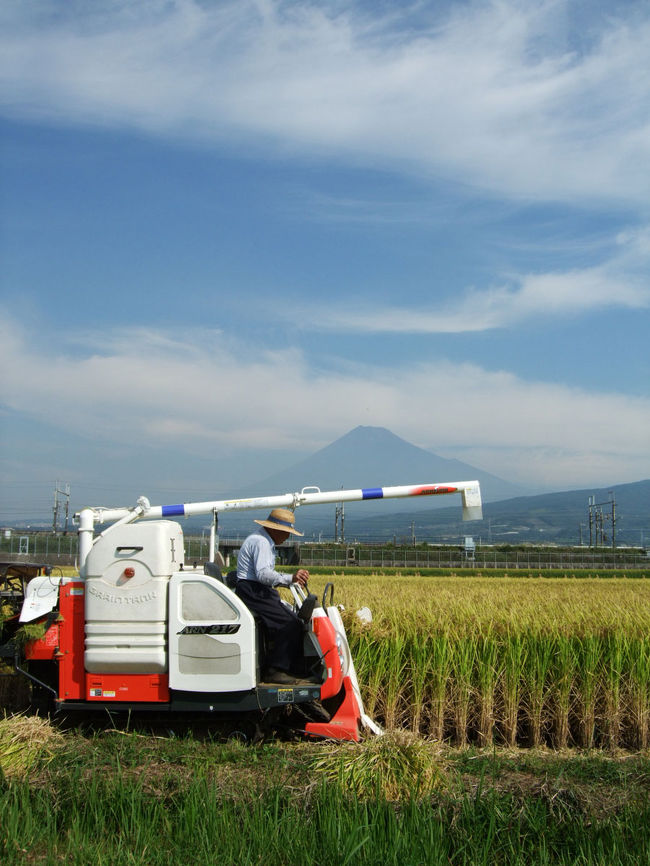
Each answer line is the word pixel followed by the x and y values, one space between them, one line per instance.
pixel 127 797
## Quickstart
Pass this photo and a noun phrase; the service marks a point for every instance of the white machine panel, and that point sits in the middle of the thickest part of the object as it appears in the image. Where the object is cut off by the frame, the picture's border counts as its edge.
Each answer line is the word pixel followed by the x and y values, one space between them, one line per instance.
pixel 211 636
pixel 41 596
pixel 127 578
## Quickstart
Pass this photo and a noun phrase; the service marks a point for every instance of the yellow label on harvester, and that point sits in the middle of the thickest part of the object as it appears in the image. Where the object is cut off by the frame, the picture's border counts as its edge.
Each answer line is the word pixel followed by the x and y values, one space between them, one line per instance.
pixel 285 696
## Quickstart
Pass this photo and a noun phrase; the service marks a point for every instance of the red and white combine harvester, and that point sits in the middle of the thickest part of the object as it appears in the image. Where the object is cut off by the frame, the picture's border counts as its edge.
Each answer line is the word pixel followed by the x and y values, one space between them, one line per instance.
pixel 140 629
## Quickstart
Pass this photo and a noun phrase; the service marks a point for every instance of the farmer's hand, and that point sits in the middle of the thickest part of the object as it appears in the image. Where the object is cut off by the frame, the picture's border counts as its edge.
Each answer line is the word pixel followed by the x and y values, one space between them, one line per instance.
pixel 301 577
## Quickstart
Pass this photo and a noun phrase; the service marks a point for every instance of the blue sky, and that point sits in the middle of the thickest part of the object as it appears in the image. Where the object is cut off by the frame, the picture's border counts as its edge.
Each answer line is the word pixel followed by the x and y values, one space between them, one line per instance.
pixel 233 231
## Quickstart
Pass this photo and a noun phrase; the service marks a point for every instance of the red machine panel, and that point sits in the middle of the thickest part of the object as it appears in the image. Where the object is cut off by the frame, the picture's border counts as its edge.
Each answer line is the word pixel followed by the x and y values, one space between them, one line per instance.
pixel 44 648
pixel 127 687
pixel 72 676
pixel 326 634
pixel 344 725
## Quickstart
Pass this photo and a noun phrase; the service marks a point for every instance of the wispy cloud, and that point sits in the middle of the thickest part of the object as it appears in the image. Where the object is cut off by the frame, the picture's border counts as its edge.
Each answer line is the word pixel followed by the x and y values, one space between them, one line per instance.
pixel 520 298
pixel 506 96
pixel 206 396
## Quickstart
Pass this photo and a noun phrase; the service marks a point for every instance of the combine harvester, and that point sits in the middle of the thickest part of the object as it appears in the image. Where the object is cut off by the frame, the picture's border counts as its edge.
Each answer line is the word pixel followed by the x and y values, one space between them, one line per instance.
pixel 140 630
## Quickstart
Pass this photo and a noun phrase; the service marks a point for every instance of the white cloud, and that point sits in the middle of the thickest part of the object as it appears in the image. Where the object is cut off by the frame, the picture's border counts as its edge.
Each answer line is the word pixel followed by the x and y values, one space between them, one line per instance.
pixel 495 94
pixel 529 296
pixel 227 397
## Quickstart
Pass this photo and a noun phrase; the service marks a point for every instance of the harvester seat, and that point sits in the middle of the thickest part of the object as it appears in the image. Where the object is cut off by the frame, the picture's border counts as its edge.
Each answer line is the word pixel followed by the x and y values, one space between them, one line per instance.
pixel 212 570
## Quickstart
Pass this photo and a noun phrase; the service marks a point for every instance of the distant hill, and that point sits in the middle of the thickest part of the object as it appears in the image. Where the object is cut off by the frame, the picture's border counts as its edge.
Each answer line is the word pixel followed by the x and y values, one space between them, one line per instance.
pixel 562 518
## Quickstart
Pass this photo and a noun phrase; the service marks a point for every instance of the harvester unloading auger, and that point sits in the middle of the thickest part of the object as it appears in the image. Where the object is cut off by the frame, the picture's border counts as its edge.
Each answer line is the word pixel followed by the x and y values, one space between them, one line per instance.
pixel 140 630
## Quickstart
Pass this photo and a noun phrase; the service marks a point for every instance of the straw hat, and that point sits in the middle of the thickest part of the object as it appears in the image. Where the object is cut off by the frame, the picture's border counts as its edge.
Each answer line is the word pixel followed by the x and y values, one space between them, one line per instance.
pixel 281 519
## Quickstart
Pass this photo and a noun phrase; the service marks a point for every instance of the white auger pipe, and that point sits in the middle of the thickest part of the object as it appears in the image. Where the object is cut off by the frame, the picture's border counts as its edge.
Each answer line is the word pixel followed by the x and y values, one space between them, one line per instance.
pixel 469 490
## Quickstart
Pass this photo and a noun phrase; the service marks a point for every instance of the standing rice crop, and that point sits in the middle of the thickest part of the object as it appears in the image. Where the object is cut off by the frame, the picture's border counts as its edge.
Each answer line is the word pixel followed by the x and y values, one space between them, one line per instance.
pixel 418 652
pixel 438 683
pixel 487 673
pixel 463 655
pixel 639 692
pixel 537 685
pixel 587 655
pixel 562 686
pixel 523 660
pixel 514 657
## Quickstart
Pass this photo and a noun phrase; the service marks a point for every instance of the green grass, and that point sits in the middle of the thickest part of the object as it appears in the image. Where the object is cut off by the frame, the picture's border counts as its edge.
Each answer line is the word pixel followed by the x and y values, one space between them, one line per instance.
pixel 132 797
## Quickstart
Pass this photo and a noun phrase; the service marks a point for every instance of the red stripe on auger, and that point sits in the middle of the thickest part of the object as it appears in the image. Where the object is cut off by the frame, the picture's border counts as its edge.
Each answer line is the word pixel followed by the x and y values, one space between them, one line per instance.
pixel 431 490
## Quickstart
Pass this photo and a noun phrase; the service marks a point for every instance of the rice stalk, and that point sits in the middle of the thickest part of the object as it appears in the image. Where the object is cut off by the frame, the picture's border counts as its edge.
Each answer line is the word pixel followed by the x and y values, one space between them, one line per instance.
pixel 24 741
pixel 539 660
pixel 397 766
pixel 419 661
pixel 487 672
pixel 368 663
pixel 462 667
pixel 396 679
pixel 439 668
pixel 612 675
pixel 587 652
pixel 525 661
pixel 511 680
pixel 562 678
pixel 640 693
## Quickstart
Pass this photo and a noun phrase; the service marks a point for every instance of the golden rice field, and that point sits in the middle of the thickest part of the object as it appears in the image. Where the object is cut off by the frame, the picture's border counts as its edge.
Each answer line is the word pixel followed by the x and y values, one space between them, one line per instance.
pixel 506 661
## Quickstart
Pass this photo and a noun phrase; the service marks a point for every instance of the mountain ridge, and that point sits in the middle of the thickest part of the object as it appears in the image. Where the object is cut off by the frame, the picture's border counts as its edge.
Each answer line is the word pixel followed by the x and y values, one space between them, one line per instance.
pixel 374 456
pixel 560 517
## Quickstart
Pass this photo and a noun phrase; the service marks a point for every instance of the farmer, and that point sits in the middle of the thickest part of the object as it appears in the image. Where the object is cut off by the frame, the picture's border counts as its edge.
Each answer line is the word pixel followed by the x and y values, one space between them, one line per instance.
pixel 256 579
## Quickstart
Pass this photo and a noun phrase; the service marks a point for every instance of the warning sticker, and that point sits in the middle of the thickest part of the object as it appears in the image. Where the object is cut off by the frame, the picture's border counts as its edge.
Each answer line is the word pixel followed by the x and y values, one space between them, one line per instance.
pixel 285 696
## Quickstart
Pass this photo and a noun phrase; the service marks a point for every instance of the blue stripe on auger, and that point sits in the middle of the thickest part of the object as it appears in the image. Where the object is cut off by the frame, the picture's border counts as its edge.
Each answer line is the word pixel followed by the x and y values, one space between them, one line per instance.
pixel 172 510
pixel 372 493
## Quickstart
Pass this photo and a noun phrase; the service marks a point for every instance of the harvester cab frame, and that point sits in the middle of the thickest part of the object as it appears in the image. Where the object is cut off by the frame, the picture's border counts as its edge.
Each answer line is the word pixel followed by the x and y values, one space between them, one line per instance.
pixel 139 629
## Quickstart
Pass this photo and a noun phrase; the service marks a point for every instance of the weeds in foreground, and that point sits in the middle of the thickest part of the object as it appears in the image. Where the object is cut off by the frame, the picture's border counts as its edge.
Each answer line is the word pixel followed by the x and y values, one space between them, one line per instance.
pixel 122 798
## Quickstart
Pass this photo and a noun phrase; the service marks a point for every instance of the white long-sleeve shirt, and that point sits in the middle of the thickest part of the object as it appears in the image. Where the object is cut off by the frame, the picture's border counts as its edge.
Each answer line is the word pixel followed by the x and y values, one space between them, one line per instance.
pixel 256 560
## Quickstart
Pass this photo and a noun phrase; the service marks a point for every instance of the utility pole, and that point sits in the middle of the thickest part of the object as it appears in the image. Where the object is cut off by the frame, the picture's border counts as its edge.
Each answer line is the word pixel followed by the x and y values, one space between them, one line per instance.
pixel 339 514
pixel 597 520
pixel 58 491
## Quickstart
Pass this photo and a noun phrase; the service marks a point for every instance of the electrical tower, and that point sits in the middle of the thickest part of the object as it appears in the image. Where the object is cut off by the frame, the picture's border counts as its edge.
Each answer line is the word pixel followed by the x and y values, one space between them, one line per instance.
pixel 339 516
pixel 598 521
pixel 65 493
